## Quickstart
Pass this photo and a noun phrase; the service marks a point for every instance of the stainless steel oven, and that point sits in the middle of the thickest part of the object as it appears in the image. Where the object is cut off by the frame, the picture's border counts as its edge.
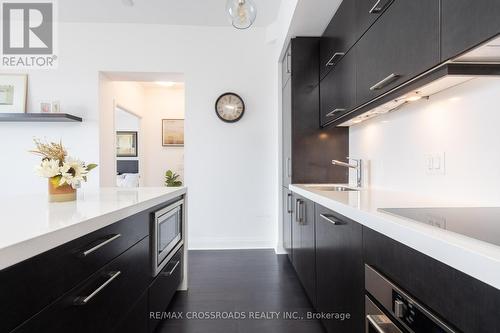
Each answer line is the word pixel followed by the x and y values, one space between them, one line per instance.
pixel 167 234
pixel 390 310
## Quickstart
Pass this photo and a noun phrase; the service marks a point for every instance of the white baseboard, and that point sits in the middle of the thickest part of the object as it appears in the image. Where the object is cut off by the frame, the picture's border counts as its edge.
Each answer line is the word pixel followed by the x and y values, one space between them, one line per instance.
pixel 229 244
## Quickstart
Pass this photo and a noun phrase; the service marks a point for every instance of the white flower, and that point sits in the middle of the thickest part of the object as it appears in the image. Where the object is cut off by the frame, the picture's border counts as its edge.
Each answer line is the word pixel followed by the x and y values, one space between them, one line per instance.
pixel 48 168
pixel 73 172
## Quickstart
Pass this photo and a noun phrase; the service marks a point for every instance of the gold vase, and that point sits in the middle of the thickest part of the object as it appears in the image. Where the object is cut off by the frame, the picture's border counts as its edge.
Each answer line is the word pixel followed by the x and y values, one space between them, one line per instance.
pixel 61 193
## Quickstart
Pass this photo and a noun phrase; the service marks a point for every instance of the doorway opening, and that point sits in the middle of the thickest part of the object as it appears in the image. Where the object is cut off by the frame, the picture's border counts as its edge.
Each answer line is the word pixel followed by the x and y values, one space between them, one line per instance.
pixel 142 129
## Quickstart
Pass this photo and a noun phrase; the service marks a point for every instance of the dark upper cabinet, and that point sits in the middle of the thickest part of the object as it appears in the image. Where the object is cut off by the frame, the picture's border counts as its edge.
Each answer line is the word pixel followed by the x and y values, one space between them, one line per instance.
pixel 338 90
pixel 403 43
pixel 287 134
pixel 339 270
pixel 367 12
pixel 287 221
pixel 466 23
pixel 339 37
pixel 303 232
pixel 286 66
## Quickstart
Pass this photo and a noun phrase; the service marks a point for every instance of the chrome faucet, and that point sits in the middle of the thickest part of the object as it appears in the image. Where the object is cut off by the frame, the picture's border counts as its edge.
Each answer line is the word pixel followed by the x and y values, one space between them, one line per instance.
pixel 358 166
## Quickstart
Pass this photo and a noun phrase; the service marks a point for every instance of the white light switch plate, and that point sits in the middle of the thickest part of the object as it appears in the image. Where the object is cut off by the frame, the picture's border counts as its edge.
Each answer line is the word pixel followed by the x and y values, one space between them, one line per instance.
pixel 435 164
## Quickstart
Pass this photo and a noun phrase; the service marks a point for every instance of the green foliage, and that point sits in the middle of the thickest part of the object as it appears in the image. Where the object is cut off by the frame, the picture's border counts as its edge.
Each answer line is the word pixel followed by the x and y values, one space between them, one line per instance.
pixel 171 179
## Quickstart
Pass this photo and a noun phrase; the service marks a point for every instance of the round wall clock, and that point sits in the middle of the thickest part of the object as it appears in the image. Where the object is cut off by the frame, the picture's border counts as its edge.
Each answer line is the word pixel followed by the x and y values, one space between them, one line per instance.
pixel 229 107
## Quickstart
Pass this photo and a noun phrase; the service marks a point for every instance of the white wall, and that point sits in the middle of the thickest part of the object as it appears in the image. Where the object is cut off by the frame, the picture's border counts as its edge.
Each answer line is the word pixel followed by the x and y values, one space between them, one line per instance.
pixel 161 103
pixel 462 122
pixel 230 168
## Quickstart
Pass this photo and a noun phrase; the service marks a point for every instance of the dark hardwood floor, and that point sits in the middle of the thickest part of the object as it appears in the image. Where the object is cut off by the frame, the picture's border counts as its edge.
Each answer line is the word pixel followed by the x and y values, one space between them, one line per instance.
pixel 241 281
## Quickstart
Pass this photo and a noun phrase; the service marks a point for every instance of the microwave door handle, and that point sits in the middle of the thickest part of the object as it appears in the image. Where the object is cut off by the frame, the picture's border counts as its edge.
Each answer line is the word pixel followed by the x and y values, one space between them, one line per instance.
pixel 381 324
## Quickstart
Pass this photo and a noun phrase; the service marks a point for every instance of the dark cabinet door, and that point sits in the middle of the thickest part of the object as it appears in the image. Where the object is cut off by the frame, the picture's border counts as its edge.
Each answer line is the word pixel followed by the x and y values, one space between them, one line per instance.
pixel 100 303
pixel 338 90
pixel 286 66
pixel 403 43
pixel 367 12
pixel 287 134
pixel 466 23
pixel 339 270
pixel 339 37
pixel 304 245
pixel 287 221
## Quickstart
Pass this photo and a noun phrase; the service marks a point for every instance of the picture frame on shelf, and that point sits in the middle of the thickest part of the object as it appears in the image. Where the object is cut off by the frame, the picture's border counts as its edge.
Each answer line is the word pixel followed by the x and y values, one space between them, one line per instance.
pixel 172 132
pixel 13 93
pixel 126 144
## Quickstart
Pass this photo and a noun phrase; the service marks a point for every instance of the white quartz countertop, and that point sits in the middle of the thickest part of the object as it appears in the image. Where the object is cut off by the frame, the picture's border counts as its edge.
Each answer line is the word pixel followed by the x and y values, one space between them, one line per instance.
pixel 30 225
pixel 476 258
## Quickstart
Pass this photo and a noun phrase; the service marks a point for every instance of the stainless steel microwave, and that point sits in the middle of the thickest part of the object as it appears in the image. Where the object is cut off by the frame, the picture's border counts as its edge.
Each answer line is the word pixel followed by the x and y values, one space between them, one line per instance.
pixel 167 234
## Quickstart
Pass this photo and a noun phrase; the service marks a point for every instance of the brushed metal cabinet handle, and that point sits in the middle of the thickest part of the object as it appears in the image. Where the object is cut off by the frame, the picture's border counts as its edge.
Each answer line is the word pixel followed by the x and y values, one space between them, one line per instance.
pixel 332 113
pixel 386 321
pixel 82 300
pixel 330 219
pixel 338 55
pixel 384 82
pixel 98 246
pixel 288 167
pixel 169 273
pixel 375 9
pixel 289 203
pixel 288 63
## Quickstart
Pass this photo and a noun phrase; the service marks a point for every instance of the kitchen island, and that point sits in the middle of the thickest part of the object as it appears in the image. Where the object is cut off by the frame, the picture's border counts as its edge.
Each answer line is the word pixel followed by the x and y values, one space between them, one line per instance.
pixel 88 265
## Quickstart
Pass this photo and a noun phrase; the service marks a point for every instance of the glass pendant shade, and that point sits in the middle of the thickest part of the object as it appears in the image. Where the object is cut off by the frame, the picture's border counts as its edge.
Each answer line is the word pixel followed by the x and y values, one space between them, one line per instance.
pixel 242 13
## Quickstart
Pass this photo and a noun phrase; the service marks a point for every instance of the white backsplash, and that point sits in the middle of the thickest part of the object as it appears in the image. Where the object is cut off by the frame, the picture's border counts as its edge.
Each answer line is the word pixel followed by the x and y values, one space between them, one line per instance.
pixel 462 122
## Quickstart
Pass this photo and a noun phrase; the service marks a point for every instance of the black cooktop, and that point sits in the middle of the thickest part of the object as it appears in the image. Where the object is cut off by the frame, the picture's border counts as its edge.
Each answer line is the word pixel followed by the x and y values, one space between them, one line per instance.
pixel 479 223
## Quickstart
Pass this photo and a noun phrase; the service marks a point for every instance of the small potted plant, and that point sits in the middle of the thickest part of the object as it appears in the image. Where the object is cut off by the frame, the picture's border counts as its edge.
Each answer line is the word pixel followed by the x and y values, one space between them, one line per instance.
pixel 64 173
pixel 171 179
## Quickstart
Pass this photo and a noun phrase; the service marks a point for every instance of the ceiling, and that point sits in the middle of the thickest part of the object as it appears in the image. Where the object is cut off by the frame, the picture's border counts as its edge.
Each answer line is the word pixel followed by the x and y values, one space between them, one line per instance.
pixel 171 12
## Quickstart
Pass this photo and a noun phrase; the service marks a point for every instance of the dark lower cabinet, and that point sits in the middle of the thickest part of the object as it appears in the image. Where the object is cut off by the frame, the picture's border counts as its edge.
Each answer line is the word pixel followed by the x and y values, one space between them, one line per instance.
pixel 287 221
pixel 304 250
pixel 164 287
pixel 401 44
pixel 339 270
pixel 467 23
pixel 136 320
pixel 460 300
pixel 102 300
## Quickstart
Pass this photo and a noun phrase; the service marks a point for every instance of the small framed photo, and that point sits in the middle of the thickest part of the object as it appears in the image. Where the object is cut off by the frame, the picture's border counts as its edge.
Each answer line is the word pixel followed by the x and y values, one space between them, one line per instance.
pixel 173 132
pixel 126 144
pixel 13 89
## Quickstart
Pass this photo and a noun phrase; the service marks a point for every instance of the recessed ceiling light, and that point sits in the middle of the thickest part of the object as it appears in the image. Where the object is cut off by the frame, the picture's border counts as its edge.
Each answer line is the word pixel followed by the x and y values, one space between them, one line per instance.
pixel 165 83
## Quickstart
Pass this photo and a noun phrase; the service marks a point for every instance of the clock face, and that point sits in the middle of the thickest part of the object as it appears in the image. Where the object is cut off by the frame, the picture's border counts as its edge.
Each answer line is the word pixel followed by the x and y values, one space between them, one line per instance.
pixel 230 107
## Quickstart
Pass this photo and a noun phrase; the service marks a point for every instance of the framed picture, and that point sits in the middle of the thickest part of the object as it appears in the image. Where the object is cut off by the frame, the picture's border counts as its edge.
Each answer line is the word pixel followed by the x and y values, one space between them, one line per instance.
pixel 13 89
pixel 173 132
pixel 126 144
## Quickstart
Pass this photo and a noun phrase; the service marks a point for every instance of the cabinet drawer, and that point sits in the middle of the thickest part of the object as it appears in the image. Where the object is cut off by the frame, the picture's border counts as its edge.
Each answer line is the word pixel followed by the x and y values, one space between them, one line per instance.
pixel 99 303
pixel 367 12
pixel 31 285
pixel 402 44
pixel 338 38
pixel 339 269
pixel 467 303
pixel 466 24
pixel 338 90
pixel 164 286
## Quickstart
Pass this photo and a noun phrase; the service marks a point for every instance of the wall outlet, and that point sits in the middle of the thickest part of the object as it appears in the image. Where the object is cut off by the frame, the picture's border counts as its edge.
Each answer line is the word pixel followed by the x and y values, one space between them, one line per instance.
pixel 435 164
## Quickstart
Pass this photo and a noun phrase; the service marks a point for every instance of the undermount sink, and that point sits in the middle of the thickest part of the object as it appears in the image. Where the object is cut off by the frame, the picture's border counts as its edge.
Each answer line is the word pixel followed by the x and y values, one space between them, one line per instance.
pixel 332 188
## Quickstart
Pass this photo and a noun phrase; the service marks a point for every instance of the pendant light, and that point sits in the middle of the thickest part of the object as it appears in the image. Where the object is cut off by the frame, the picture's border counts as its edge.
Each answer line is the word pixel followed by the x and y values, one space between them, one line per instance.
pixel 242 13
